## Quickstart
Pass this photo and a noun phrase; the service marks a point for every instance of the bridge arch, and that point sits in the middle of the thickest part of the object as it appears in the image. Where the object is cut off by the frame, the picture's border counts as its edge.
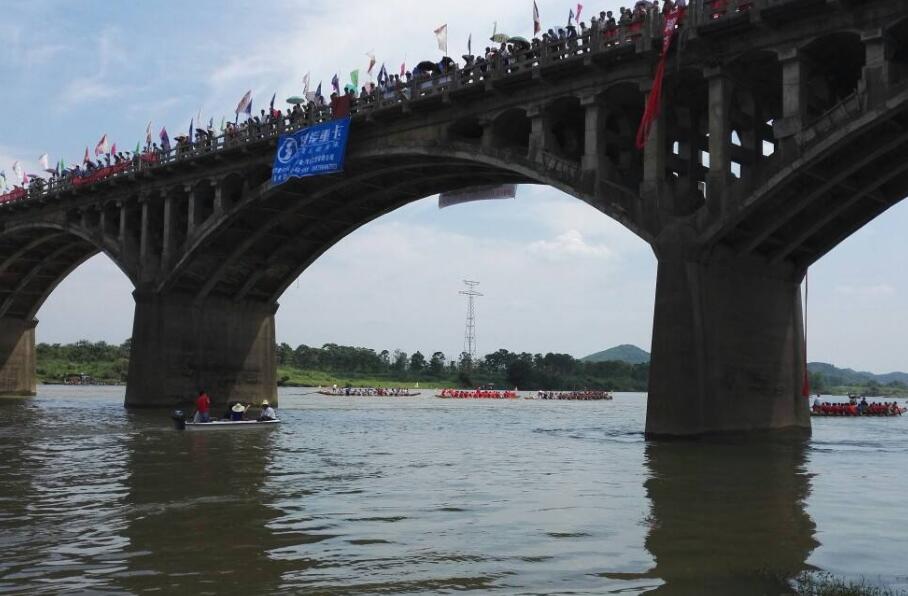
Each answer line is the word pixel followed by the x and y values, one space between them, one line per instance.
pixel 34 259
pixel 272 235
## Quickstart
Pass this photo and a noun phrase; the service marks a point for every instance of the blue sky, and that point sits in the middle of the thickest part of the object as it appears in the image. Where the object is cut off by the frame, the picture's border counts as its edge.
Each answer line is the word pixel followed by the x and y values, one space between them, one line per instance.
pixel 558 276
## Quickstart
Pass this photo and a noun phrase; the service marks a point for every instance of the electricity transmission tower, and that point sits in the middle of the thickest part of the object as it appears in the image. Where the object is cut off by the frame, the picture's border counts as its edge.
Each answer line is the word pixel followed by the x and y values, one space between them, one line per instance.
pixel 469 337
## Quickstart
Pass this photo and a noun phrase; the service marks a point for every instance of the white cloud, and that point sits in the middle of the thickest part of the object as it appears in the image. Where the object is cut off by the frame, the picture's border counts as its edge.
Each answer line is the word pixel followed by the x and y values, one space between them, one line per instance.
pixel 871 291
pixel 570 244
pixel 113 55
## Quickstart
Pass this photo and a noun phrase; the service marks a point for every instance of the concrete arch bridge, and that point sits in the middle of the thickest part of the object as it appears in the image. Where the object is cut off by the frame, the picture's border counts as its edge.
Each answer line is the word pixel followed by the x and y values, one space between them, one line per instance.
pixel 784 131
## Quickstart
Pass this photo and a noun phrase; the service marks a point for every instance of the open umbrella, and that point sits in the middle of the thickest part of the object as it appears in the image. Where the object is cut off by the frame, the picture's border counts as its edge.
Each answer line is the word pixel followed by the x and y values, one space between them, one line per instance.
pixel 426 66
pixel 500 38
pixel 519 41
pixel 296 99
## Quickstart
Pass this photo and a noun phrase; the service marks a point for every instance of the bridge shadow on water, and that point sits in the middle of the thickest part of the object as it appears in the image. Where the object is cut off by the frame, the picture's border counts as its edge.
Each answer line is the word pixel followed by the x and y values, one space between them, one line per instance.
pixel 727 516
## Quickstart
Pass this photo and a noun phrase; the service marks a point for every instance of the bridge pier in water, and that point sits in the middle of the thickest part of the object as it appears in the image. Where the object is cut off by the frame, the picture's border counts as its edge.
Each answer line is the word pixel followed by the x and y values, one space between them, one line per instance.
pixel 223 346
pixel 17 357
pixel 728 347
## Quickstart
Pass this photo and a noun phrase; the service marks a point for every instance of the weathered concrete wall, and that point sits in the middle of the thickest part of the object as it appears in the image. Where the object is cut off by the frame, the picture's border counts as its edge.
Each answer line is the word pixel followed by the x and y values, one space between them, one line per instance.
pixel 728 348
pixel 17 357
pixel 223 347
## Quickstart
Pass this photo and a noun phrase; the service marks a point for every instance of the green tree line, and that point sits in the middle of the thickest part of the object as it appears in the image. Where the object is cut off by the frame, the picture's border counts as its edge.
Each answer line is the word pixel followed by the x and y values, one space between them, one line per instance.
pixel 501 368
pixel 362 366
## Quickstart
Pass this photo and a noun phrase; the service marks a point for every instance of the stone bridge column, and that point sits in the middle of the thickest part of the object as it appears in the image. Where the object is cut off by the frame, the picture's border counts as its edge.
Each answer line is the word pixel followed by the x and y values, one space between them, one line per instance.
pixel 794 101
pixel 17 356
pixel 221 346
pixel 728 349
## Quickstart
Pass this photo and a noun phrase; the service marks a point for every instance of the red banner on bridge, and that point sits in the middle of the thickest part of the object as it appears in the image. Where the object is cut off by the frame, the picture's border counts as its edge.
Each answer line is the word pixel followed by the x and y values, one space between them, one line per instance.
pixel 14 195
pixel 100 174
pixel 654 103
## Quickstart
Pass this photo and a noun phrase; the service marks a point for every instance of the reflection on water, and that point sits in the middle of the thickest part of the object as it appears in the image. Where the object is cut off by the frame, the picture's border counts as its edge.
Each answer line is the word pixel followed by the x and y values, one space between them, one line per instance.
pixel 198 517
pixel 388 495
pixel 728 515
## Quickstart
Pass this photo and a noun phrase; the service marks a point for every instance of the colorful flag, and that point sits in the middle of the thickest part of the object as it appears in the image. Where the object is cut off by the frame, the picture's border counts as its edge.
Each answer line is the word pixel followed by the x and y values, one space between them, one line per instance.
pixel 579 10
pixel 403 68
pixel 113 149
pixel 148 134
pixel 191 122
pixel 318 90
pixel 382 75
pixel 371 56
pixel 223 123
pixel 17 170
pixel 537 23
pixel 102 148
pixel 271 105
pixel 306 84
pixel 570 17
pixel 245 104
pixel 354 78
pixel 165 140
pixel 42 161
pixel 138 148
pixel 335 84
pixel 61 167
pixel 86 159
pixel 654 101
pixel 441 34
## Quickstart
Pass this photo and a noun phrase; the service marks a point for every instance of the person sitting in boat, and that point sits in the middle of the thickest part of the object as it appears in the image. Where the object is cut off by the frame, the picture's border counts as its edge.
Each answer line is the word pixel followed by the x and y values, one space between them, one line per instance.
pixel 203 407
pixel 237 412
pixel 268 412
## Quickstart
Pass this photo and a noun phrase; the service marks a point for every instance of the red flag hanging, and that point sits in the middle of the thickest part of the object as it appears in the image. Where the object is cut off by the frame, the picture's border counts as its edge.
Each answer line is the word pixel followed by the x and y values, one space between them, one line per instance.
pixel 654 103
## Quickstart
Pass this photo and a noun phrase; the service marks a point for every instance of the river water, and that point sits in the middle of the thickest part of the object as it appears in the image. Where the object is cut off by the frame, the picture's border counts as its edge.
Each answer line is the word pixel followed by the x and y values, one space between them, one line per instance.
pixel 421 495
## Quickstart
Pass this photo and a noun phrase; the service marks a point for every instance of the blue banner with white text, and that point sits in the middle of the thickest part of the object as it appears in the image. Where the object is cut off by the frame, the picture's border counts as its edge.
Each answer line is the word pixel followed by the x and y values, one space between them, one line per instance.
pixel 312 151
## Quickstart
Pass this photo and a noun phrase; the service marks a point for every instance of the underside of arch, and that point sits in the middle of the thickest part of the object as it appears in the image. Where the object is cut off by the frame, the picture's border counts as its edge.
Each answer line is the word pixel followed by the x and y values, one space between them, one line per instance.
pixel 856 173
pixel 33 261
pixel 262 247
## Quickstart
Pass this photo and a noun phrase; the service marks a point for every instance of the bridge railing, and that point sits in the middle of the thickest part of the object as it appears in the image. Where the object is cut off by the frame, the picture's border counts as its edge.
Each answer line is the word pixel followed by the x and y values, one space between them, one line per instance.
pixel 540 56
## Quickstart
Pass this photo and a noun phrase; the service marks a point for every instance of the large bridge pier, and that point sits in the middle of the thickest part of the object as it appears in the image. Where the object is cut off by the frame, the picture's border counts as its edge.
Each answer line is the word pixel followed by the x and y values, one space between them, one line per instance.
pixel 728 346
pixel 17 356
pixel 180 346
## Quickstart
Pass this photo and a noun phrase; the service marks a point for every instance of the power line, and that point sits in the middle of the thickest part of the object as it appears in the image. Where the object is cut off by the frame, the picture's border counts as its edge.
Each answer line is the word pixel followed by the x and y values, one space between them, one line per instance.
pixel 469 337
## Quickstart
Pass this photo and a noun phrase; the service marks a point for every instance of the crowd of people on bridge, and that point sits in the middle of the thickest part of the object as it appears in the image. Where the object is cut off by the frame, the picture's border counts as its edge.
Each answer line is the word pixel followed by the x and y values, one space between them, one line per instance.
pixel 856 408
pixel 510 54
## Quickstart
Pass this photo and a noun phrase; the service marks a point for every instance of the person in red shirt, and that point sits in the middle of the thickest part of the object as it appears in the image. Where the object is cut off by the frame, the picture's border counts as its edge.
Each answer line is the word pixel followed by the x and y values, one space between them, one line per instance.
pixel 203 407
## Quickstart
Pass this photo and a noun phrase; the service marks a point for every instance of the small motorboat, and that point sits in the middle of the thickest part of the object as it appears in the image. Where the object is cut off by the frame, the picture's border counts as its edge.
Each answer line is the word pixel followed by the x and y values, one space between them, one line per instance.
pixel 180 423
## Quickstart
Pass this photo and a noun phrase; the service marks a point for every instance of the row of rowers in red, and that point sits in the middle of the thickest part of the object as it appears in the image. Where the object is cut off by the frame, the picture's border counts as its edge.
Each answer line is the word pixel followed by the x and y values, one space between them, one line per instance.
pixel 478 394
pixel 857 409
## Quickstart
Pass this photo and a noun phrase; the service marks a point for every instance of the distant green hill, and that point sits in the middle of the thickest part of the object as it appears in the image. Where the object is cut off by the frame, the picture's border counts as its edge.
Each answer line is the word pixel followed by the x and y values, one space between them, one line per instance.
pixel 623 353
pixel 845 376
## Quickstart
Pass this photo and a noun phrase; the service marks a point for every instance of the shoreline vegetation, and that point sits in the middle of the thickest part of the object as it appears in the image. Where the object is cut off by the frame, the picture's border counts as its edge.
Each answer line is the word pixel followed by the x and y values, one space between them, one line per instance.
pixel 332 364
